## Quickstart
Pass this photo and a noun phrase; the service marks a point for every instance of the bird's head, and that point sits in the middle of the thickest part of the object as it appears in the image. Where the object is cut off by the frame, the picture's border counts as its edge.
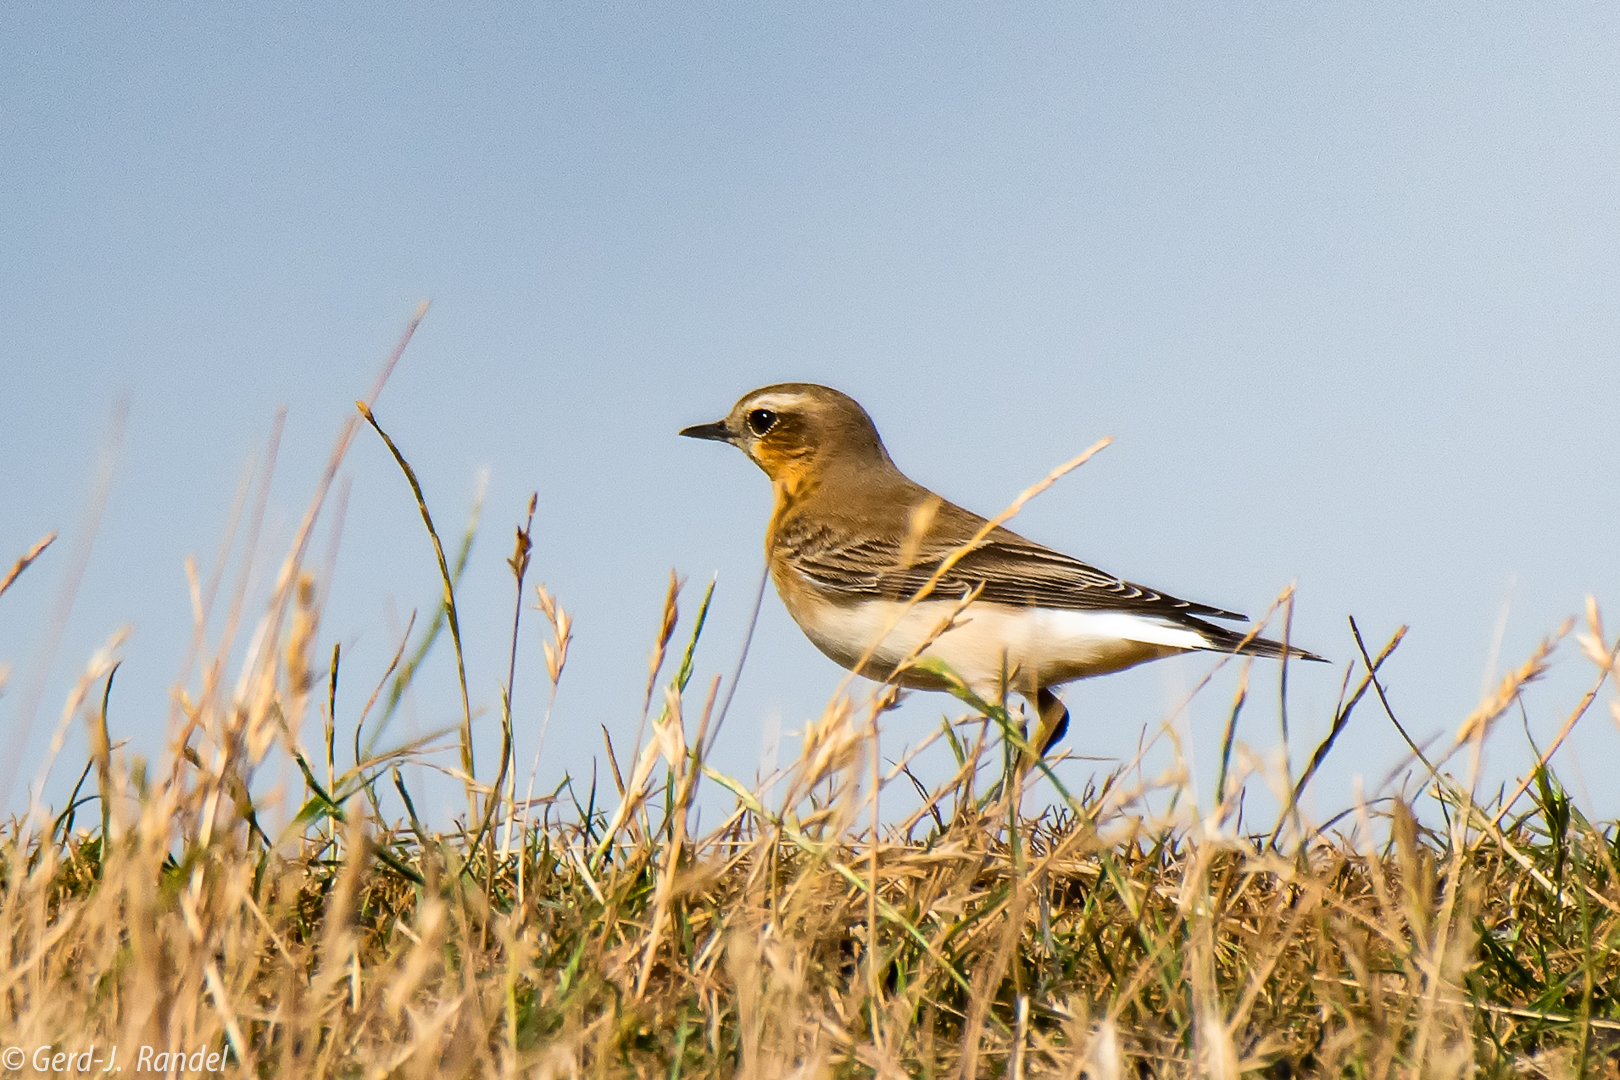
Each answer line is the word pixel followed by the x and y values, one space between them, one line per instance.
pixel 796 430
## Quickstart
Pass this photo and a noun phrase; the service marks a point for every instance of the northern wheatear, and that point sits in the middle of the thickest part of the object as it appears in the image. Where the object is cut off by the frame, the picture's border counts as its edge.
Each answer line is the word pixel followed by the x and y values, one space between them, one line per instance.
pixel 852 540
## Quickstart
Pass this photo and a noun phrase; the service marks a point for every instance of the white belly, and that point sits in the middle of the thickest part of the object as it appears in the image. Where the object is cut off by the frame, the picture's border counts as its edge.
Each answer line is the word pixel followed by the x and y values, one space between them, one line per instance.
pixel 1045 646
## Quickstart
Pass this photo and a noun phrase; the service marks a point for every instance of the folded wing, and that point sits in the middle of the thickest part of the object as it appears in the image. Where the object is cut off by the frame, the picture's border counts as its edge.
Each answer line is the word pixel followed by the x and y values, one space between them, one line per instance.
pixel 1005 568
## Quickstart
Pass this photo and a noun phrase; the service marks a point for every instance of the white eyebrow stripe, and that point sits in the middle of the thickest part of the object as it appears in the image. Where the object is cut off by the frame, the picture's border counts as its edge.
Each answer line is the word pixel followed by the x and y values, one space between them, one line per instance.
pixel 776 402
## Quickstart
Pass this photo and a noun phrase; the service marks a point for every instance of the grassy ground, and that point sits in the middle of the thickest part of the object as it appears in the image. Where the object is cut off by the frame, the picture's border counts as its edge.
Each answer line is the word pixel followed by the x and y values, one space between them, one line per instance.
pixel 588 932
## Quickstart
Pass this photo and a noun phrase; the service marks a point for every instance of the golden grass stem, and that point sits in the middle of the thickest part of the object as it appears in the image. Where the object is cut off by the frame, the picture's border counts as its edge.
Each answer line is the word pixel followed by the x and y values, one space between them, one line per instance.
pixel 1563 733
pixel 26 560
pixel 67 591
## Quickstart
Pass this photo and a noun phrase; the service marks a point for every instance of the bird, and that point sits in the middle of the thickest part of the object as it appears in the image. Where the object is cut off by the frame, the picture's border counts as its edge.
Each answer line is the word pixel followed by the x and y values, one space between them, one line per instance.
pixel 852 541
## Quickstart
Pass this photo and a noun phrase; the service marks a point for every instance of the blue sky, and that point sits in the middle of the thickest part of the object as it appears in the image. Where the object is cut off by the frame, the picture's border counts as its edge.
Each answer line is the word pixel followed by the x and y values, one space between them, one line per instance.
pixel 1344 285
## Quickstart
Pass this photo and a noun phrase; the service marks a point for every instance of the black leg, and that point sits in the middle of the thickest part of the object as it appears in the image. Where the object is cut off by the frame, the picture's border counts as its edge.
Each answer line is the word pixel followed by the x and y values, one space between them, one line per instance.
pixel 1054 719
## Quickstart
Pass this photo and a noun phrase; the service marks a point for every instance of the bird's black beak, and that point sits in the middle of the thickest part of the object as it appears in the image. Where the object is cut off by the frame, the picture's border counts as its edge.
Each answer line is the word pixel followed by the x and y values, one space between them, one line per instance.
pixel 716 431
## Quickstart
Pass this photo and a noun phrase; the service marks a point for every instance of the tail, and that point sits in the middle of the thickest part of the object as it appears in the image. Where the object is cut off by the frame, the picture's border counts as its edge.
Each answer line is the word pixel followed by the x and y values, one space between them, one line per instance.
pixel 1223 640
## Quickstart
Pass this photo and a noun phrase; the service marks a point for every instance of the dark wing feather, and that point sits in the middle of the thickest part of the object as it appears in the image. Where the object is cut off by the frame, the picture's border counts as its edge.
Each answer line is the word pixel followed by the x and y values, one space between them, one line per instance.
pixel 1005 567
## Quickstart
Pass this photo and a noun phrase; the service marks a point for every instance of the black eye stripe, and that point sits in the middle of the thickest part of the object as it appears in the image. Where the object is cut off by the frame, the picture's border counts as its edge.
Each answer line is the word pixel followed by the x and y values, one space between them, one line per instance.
pixel 760 421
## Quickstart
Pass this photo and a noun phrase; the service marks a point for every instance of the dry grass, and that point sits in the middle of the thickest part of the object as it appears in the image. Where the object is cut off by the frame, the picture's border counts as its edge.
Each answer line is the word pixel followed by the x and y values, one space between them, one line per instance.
pixel 597 936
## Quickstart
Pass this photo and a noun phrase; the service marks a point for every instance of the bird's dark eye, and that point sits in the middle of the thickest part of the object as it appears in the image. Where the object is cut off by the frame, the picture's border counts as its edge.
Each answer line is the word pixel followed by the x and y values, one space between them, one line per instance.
pixel 761 421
